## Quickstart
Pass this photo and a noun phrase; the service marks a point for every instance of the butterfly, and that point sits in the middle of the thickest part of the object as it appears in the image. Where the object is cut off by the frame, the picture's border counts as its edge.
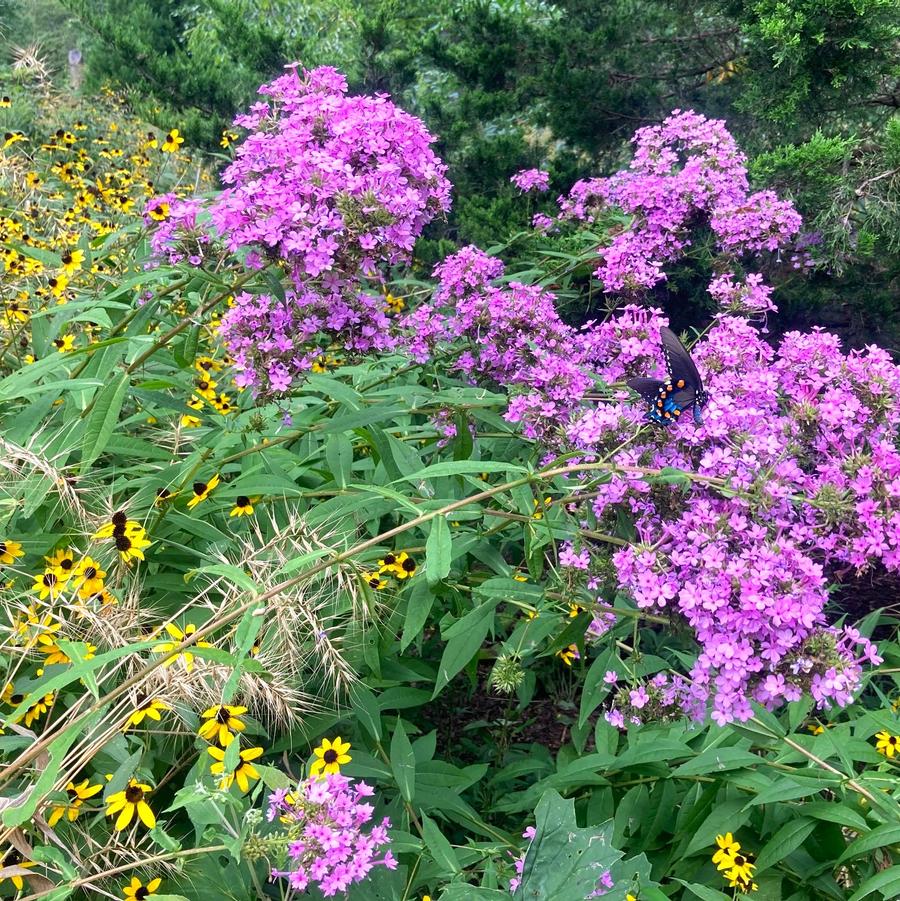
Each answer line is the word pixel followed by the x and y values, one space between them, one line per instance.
pixel 683 390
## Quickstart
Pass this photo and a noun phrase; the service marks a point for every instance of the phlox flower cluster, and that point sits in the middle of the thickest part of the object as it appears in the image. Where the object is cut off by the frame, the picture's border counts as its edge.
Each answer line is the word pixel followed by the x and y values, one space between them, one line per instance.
pixel 510 336
pixel 686 172
pixel 327 181
pixel 326 843
pixel 802 436
pixel 531 180
pixel 333 187
pixel 274 340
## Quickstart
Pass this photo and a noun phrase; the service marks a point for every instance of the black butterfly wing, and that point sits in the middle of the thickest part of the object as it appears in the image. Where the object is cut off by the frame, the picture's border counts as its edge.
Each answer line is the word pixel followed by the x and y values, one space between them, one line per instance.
pixel 647 388
pixel 679 362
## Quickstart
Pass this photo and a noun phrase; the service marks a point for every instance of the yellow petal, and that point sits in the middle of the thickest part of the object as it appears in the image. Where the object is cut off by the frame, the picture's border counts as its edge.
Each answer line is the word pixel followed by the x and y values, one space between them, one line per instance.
pixel 125 816
pixel 146 814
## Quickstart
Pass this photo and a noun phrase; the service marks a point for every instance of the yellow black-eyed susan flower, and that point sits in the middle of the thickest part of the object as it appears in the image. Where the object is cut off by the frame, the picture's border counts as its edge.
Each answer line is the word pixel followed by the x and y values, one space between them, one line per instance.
pixel 162 495
pixel 159 212
pixel 887 744
pixel 146 708
pixel 201 491
pixel 540 507
pixel 206 388
pixel 14 858
pixel 222 722
pixel 172 142
pixel 77 795
pixel 243 506
pixel 57 285
pixel 374 580
pixel 567 655
pixel 222 404
pixel 88 578
pixel 137 891
pixel 130 802
pixel 5 102
pixel 48 585
pixel 118 524
pixel 62 563
pixel 242 773
pixel 178 636
pixel 727 848
pixel 330 757
pixel 9 550
pixel 38 709
pixel 128 535
pixel 401 565
pixel 190 422
pixel 12 137
pixel 207 365
pixel 71 261
pixel 64 343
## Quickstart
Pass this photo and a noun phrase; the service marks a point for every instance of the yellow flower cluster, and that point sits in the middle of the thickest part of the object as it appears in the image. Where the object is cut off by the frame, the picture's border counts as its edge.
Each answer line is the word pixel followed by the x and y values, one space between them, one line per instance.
pixel 70 193
pixel 400 566
pixel 736 866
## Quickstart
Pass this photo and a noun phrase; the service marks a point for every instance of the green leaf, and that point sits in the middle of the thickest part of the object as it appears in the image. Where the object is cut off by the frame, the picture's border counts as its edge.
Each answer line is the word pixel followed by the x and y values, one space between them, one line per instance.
pixel 438 551
pixel 460 467
pixel 785 841
pixel 247 630
pixel 418 607
pixel 879 837
pixel 704 892
pixel 464 644
pixel 403 762
pixel 441 849
pixel 718 760
pixel 272 777
pixel 835 813
pixel 595 689
pixel 726 817
pixel 887 882
pixel 563 861
pixel 366 709
pixel 788 789
pixel 339 456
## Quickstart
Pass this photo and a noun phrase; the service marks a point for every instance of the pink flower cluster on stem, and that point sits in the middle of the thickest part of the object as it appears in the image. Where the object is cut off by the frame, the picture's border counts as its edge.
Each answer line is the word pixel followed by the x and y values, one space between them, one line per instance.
pixel 802 438
pixel 326 844
pixel 333 188
pixel 686 173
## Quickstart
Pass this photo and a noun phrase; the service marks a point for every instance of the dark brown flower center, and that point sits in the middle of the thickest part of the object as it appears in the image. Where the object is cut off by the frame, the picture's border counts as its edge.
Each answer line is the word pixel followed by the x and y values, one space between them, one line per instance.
pixel 2 548
pixel 72 793
pixel 66 564
pixel 389 559
pixel 243 500
pixel 409 565
pixel 123 543
pixel 12 858
pixel 222 716
pixel 330 756
pixel 199 488
pixel 133 794
pixel 49 580
pixel 119 518
pixel 142 892
pixel 90 572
